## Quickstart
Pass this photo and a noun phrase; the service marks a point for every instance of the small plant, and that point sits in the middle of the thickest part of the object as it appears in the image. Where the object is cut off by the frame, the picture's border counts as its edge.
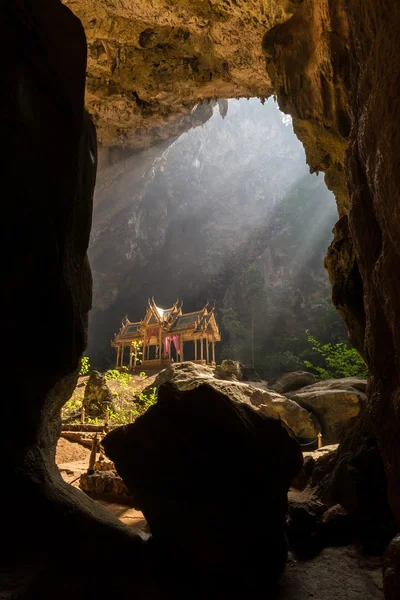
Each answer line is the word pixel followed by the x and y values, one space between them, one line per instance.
pixel 136 349
pixel 143 375
pixel 85 366
pixel 147 400
pixel 340 360
pixel 122 376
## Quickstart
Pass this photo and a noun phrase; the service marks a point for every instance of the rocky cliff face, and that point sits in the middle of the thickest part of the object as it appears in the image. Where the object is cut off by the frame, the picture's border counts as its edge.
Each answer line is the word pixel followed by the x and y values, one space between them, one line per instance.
pixel 150 63
pixel 373 176
pixel 187 220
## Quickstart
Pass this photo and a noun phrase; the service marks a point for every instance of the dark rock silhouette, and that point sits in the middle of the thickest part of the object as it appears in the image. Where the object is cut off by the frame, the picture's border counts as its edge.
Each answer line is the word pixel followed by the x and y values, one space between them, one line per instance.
pixel 195 460
pixel 354 477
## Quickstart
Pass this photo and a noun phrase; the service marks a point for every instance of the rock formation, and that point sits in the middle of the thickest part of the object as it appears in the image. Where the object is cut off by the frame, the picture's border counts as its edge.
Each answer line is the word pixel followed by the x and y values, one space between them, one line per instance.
pixel 292 381
pixel 354 477
pixel 191 462
pixel 334 403
pixel 188 376
pixel 150 64
pixel 51 166
pixel 50 170
pixel 98 396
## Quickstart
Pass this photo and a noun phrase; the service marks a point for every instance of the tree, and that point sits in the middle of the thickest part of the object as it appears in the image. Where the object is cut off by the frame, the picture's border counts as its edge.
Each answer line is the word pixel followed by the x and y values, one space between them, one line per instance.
pixel 237 334
pixel 340 360
pixel 253 285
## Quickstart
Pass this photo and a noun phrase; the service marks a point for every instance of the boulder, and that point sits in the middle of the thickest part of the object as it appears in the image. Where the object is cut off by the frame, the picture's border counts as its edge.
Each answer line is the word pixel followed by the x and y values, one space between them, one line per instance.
pixel 337 528
pixel 292 381
pixel 98 396
pixel 104 484
pixel 354 477
pixel 249 373
pixel 391 570
pixel 230 370
pixel 195 462
pixel 304 526
pixel 187 376
pixel 334 402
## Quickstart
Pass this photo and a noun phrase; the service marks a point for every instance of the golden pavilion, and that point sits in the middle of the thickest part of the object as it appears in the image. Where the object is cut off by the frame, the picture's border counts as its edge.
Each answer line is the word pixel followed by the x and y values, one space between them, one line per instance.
pixel 165 336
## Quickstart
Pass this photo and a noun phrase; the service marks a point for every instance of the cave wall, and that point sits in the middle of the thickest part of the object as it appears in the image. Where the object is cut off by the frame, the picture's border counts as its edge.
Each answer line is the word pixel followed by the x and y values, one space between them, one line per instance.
pixel 49 172
pixel 372 165
pixel 336 64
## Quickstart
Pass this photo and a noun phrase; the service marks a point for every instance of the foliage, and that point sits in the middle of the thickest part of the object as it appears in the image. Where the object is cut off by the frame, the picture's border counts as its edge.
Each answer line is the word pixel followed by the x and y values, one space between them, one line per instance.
pixel 122 376
pixel 253 284
pixel 340 360
pixel 74 402
pixel 138 348
pixel 84 366
pixel 129 412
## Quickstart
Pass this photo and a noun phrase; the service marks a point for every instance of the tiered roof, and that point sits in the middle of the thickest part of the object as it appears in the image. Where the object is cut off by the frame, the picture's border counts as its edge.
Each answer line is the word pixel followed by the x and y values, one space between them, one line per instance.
pixel 171 320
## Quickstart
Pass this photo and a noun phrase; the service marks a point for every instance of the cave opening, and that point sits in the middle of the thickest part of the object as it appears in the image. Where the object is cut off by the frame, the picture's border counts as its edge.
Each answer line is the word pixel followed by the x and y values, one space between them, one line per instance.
pixel 200 215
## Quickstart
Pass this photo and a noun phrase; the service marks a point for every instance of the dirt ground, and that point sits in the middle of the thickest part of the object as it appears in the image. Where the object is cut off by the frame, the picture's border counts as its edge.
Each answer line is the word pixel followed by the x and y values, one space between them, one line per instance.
pixel 68 452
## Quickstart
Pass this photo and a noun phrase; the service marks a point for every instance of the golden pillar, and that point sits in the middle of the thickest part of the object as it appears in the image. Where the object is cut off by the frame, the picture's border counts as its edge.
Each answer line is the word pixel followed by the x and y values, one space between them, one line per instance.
pixel 117 360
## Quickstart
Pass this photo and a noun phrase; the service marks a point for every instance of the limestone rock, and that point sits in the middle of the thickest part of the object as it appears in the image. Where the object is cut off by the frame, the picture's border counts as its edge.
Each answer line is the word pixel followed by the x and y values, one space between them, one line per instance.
pixel 334 402
pixel 187 376
pixel 337 526
pixel 304 524
pixel 292 381
pixel 98 396
pixel 354 477
pixel 391 570
pixel 374 221
pixel 150 64
pixel 249 373
pixel 191 462
pixel 104 484
pixel 230 370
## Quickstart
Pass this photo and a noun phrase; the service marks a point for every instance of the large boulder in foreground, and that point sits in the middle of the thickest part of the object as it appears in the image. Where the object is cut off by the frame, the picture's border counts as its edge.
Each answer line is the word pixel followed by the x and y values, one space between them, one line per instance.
pixel 334 402
pixel 194 463
pixel 98 396
pixel 290 382
pixel 188 376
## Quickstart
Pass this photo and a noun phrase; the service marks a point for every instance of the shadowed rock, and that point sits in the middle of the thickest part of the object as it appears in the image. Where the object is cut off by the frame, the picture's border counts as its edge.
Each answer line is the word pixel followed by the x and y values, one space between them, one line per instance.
pixel 354 477
pixel 334 402
pixel 194 463
pixel 98 396
pixel 292 381
pixel 187 376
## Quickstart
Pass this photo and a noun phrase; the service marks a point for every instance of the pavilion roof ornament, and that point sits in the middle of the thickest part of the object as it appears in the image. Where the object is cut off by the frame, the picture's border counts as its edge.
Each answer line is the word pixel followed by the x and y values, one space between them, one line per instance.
pixel 169 322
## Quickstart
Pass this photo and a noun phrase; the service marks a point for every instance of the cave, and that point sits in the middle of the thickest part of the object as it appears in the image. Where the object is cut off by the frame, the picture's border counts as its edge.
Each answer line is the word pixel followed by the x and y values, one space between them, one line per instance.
pixel 332 66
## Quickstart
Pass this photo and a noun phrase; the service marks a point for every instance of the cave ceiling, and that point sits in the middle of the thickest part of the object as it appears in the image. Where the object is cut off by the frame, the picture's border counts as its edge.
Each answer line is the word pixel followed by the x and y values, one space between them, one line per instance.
pixel 151 62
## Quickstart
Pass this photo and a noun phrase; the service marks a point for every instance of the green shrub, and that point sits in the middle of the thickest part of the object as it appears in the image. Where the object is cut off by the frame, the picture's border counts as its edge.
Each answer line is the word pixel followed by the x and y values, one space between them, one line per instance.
pixel 132 411
pixel 340 360
pixel 85 366
pixel 122 376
